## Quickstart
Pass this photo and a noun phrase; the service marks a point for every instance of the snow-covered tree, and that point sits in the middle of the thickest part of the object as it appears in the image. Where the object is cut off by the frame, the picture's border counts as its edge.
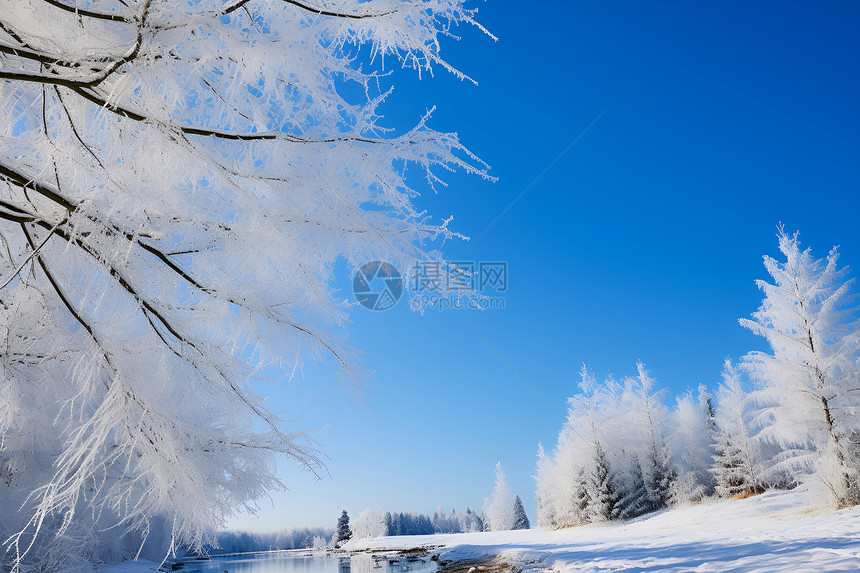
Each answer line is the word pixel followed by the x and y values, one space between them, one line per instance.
pixel 737 460
pixel 632 494
pixel 590 411
pixel 595 471
pixel 370 523
pixel 342 531
pixel 408 523
pixel 320 545
pixel 648 415
pixel 602 499
pixel 499 507
pixel 471 521
pixel 177 180
pixel 521 520
pixel 691 444
pixel 456 522
pixel 809 383
pixel 545 490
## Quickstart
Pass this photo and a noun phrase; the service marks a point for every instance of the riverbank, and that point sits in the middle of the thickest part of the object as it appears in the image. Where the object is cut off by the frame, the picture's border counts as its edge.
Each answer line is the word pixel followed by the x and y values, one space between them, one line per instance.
pixel 780 531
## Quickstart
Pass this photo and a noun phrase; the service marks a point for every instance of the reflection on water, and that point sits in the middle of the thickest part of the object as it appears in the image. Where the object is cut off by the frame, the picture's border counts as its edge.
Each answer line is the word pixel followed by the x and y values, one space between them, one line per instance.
pixel 285 562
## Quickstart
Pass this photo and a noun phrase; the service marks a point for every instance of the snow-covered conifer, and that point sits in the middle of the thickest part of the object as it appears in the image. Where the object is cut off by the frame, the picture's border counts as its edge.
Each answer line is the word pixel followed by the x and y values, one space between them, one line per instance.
pixel 472 521
pixel 545 490
pixel 602 498
pixel 808 384
pixel 633 499
pixel 737 461
pixel 692 447
pixel 499 507
pixel 521 520
pixel 342 531
pixel 649 415
pixel 581 498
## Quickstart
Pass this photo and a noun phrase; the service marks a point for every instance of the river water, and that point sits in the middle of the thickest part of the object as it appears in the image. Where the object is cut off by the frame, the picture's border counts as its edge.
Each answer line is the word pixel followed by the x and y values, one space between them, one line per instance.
pixel 286 562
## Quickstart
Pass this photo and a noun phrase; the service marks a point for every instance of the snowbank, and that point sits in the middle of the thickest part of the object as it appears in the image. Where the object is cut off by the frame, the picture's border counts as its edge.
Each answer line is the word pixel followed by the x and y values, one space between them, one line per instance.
pixel 782 531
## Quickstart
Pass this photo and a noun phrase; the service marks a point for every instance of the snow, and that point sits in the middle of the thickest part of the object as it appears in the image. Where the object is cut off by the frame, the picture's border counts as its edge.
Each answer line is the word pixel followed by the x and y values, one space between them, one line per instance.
pixel 778 531
pixel 129 567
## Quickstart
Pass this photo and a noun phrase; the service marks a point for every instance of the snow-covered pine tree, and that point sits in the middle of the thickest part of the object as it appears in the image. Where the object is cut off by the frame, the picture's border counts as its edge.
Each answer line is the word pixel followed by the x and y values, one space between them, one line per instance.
pixel 544 490
pixel 602 498
pixel 499 507
pixel 581 498
pixel 736 465
pixel 521 520
pixel 588 414
pixel 472 521
pixel 660 475
pixel 594 472
pixel 633 499
pixel 648 414
pixel 809 383
pixel 342 531
pixel 692 447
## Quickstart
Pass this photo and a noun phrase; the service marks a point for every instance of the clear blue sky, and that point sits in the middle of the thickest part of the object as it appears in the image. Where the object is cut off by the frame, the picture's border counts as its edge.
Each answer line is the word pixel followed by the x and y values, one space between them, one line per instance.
pixel 720 119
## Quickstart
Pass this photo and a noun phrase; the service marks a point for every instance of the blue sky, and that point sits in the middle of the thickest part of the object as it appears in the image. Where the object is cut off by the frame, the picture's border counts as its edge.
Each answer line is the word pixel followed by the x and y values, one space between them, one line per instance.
pixel 641 242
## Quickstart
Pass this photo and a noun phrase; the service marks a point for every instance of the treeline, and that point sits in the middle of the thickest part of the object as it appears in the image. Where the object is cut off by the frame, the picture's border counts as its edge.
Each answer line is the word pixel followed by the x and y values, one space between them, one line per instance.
pixel 778 419
pixel 378 523
pixel 248 541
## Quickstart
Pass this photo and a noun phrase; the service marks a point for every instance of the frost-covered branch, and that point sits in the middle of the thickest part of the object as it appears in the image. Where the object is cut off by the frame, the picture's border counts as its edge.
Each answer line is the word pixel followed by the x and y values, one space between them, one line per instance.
pixel 177 181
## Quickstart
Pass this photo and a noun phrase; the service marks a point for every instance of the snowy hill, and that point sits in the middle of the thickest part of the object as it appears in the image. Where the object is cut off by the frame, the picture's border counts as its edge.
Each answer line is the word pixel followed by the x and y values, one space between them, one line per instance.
pixel 780 531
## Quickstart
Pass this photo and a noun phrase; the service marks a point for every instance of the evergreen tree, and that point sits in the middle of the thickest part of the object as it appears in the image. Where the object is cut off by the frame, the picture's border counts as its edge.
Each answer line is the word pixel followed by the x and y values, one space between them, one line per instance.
pixel 659 477
pixel 633 499
pixel 581 497
pixel 736 461
pixel 602 496
pixel 812 375
pixel 692 447
pixel 474 521
pixel 521 520
pixel 650 414
pixel 499 507
pixel 545 492
pixel 342 531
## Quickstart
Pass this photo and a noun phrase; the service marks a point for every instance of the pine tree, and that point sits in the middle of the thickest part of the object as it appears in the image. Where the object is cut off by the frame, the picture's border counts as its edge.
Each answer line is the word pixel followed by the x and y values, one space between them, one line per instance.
pixel 521 520
pixel 602 496
pixel 545 492
pixel 581 497
pixel 499 507
pixel 736 458
pixel 691 444
pixel 650 414
pixel 474 521
pixel 659 477
pixel 633 495
pixel 812 373
pixel 342 532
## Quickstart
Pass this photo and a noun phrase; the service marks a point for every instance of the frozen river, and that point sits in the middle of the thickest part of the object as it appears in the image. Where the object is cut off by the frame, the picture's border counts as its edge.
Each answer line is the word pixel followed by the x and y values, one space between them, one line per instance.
pixel 287 562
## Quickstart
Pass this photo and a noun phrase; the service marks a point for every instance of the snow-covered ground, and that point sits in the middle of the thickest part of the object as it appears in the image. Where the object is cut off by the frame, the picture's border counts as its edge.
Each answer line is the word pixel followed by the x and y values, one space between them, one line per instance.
pixel 782 531
pixel 779 531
